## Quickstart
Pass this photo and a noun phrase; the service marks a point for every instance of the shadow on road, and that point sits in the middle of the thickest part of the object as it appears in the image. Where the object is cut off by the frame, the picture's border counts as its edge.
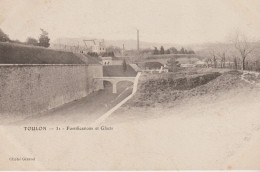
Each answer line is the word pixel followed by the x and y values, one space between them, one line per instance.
pixel 83 111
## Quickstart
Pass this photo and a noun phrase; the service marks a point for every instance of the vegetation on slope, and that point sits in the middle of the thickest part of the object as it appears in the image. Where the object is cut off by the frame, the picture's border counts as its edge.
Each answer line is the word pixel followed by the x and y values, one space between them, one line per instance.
pixel 21 54
pixel 168 89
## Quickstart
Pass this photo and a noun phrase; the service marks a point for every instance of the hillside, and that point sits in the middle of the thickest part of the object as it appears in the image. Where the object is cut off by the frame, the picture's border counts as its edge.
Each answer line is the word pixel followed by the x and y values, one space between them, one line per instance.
pixel 175 88
pixel 22 54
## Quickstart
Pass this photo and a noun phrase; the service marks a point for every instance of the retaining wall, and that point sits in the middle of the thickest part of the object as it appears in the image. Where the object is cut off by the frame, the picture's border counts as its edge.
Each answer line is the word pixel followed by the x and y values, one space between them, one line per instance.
pixel 95 71
pixel 117 62
pixel 30 89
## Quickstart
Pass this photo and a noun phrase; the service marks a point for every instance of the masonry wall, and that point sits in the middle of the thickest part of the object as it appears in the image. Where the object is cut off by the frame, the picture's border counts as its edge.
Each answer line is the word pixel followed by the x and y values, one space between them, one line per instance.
pixel 117 62
pixel 95 70
pixel 30 89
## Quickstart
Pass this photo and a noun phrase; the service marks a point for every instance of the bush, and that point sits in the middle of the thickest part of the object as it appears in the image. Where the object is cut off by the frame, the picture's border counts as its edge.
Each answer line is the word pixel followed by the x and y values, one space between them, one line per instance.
pixel 152 65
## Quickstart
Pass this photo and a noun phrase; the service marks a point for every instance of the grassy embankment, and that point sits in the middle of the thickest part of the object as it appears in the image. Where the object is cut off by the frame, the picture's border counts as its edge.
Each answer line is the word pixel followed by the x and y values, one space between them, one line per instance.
pixel 22 54
pixel 174 88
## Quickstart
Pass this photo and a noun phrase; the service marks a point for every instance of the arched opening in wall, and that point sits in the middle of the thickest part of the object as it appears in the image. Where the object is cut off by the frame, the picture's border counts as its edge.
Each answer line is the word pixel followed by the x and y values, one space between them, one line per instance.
pixel 124 87
pixel 108 86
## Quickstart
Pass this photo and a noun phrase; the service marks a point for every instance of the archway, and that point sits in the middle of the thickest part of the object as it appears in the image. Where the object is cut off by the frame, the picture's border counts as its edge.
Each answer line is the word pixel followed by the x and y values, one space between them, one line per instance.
pixel 108 85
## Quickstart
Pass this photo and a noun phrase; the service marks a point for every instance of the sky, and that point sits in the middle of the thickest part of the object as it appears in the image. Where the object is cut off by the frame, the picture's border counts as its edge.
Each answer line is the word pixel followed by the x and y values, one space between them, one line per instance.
pixel 162 21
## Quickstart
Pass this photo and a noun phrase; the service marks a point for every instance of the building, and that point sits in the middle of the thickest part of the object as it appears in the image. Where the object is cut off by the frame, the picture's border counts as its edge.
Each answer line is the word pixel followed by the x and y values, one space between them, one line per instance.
pixel 95 46
pixel 98 49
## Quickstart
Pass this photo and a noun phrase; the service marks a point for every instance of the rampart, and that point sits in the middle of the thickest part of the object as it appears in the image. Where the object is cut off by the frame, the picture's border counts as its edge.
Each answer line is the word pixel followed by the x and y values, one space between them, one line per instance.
pixel 33 88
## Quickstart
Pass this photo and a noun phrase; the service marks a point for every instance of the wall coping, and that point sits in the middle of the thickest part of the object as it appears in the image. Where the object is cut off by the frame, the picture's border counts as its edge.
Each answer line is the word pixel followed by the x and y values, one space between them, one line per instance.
pixel 6 65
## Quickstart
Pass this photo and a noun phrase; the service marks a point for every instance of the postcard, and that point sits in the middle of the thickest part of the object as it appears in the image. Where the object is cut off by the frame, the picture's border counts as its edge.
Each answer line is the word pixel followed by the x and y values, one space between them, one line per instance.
pixel 129 85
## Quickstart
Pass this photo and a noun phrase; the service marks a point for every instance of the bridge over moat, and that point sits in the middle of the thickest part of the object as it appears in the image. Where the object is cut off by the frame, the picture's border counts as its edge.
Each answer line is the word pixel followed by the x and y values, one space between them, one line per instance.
pixel 115 80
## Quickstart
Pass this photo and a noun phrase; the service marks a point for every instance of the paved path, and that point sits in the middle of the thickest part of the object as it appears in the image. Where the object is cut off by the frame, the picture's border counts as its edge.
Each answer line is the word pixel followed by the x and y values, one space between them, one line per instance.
pixel 84 111
pixel 100 120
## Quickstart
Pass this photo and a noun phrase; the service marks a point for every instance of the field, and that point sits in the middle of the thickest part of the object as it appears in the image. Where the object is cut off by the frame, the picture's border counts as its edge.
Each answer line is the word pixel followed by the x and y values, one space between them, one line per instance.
pixel 22 54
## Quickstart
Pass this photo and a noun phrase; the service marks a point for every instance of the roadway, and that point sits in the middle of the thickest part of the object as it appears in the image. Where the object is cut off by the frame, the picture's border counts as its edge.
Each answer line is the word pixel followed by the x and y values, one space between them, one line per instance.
pixel 83 111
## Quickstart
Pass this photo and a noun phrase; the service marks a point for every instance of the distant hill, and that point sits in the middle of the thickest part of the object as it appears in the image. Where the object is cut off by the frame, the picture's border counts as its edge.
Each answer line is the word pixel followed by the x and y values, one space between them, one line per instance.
pixel 129 44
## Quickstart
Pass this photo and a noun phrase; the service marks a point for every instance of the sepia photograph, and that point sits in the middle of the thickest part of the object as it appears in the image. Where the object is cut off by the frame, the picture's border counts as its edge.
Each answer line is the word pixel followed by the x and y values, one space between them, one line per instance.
pixel 129 85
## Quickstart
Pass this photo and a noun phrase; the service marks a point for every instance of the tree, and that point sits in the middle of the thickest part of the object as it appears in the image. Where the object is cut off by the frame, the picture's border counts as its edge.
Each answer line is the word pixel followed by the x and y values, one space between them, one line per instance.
pixel 124 65
pixel 31 41
pixel 16 41
pixel 182 51
pixel 222 56
pixel 191 52
pixel 146 51
pixel 208 61
pixel 112 54
pixel 3 37
pixel 172 64
pixel 214 59
pixel 243 47
pixel 173 50
pixel 168 52
pixel 155 51
pixel 162 50
pixel 44 39
pixel 114 49
pixel 235 62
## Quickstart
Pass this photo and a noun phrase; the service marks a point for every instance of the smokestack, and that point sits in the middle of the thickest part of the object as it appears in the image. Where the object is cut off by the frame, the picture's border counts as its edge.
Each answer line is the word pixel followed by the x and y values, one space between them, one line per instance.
pixel 137 40
pixel 123 51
